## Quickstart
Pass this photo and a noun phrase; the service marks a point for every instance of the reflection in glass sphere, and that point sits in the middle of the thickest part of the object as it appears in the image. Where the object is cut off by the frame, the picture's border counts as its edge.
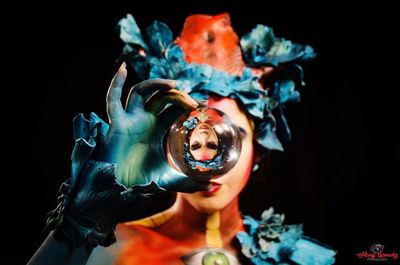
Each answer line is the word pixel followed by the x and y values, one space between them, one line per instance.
pixel 204 143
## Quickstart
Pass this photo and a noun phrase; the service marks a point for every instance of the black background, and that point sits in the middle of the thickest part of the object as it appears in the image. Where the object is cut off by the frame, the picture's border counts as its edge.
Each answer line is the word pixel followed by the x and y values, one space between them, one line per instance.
pixel 337 176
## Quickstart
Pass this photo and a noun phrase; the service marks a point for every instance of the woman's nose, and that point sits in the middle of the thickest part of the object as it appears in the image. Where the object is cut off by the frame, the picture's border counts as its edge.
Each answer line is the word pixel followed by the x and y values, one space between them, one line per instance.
pixel 204 137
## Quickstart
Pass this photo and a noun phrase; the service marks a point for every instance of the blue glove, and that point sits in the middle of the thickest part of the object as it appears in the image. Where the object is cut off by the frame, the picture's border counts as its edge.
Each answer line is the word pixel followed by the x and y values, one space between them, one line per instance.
pixel 134 140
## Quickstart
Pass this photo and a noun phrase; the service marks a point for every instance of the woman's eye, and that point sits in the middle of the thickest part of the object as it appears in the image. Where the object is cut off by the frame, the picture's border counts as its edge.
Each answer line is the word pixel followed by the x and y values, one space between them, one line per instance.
pixel 212 145
pixel 195 146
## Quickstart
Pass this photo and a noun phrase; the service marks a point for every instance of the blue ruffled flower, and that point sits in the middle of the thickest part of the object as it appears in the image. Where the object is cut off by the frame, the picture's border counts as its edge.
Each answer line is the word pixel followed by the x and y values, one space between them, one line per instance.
pixel 269 241
pixel 261 47
pixel 156 56
pixel 130 33
pixel 159 37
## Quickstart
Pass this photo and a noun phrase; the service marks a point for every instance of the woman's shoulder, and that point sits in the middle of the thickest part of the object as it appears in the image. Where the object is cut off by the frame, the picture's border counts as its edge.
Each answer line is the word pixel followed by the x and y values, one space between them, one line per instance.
pixel 270 241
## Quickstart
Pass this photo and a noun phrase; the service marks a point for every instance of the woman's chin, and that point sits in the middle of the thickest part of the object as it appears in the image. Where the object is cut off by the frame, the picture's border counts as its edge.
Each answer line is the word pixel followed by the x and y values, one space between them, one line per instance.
pixel 207 203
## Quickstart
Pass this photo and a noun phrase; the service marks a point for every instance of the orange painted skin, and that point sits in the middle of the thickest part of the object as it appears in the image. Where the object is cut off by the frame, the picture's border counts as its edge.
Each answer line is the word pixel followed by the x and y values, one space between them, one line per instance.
pixel 211 40
pixel 182 234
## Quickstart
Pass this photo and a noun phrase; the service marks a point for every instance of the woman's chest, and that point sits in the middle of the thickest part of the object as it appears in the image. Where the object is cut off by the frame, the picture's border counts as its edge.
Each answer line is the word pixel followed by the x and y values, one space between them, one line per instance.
pixel 154 248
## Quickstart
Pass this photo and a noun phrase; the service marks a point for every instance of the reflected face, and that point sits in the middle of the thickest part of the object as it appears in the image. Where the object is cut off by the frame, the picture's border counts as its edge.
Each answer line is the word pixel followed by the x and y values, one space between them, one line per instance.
pixel 203 142
pixel 226 187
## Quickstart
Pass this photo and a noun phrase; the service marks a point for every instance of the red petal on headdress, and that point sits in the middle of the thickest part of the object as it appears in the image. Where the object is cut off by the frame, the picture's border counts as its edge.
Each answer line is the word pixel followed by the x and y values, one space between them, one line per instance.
pixel 211 40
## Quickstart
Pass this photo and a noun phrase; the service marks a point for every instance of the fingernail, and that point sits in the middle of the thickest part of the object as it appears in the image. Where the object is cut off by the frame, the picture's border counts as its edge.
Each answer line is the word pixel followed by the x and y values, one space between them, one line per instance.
pixel 123 65
pixel 194 103
pixel 173 83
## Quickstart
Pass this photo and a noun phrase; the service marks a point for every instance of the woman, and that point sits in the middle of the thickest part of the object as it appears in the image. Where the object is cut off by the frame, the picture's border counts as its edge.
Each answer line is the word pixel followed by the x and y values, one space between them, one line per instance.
pixel 203 140
pixel 119 172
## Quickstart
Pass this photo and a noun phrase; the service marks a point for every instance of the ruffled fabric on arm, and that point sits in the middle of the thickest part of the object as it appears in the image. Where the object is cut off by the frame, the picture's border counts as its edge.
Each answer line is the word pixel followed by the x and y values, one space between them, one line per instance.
pixel 88 134
pixel 269 241
pixel 92 183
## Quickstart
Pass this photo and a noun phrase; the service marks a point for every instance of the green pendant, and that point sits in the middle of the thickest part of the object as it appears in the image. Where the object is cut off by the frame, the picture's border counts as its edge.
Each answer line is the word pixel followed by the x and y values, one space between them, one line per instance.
pixel 215 258
pixel 202 116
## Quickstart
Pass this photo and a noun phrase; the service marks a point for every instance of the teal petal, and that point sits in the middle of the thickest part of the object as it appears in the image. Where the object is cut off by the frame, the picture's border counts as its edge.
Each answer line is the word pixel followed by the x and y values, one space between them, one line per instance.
pixel 159 37
pixel 266 135
pixel 129 32
pixel 310 251
pixel 88 134
pixel 261 47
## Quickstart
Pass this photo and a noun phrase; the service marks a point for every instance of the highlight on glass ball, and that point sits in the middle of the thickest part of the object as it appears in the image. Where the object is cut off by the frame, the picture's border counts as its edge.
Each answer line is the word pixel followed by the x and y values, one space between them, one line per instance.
pixel 204 143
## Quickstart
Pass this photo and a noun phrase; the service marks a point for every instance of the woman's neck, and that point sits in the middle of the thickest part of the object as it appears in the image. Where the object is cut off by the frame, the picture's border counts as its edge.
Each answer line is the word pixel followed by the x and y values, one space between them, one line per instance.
pixel 215 229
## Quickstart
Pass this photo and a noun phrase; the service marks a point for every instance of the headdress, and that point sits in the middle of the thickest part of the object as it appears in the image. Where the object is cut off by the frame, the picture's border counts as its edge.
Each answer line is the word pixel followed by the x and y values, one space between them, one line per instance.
pixel 260 71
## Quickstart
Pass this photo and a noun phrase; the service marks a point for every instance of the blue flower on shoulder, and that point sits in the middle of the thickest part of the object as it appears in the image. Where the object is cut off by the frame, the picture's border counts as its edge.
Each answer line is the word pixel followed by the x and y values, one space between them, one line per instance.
pixel 191 123
pixel 269 241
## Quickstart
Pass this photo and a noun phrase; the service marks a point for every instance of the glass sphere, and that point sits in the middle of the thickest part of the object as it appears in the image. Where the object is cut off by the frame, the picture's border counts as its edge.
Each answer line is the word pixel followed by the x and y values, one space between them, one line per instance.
pixel 204 143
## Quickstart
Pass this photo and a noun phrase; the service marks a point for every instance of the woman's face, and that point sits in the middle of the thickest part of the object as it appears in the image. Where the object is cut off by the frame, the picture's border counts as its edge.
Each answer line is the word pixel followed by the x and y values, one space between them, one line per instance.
pixel 228 186
pixel 203 142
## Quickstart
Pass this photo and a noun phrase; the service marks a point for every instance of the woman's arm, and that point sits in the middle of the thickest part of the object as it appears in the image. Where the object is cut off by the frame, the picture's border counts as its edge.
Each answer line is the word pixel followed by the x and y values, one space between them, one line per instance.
pixel 94 200
pixel 59 251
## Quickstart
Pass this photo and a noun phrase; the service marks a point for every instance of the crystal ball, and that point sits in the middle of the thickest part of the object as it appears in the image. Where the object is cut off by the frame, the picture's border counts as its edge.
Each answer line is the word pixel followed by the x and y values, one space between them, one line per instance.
pixel 204 143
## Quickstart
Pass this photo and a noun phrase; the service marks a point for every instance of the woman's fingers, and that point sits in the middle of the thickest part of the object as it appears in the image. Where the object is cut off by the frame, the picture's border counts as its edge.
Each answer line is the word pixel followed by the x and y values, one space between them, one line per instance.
pixel 114 106
pixel 154 94
pixel 142 91
pixel 161 98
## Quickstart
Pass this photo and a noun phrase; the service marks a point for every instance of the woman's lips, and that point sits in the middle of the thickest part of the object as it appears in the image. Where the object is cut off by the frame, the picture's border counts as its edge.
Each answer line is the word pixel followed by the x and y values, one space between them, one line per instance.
pixel 213 190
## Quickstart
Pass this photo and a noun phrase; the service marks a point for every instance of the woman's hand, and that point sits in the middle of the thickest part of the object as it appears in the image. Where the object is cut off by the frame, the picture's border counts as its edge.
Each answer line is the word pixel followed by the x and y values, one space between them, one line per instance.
pixel 134 140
